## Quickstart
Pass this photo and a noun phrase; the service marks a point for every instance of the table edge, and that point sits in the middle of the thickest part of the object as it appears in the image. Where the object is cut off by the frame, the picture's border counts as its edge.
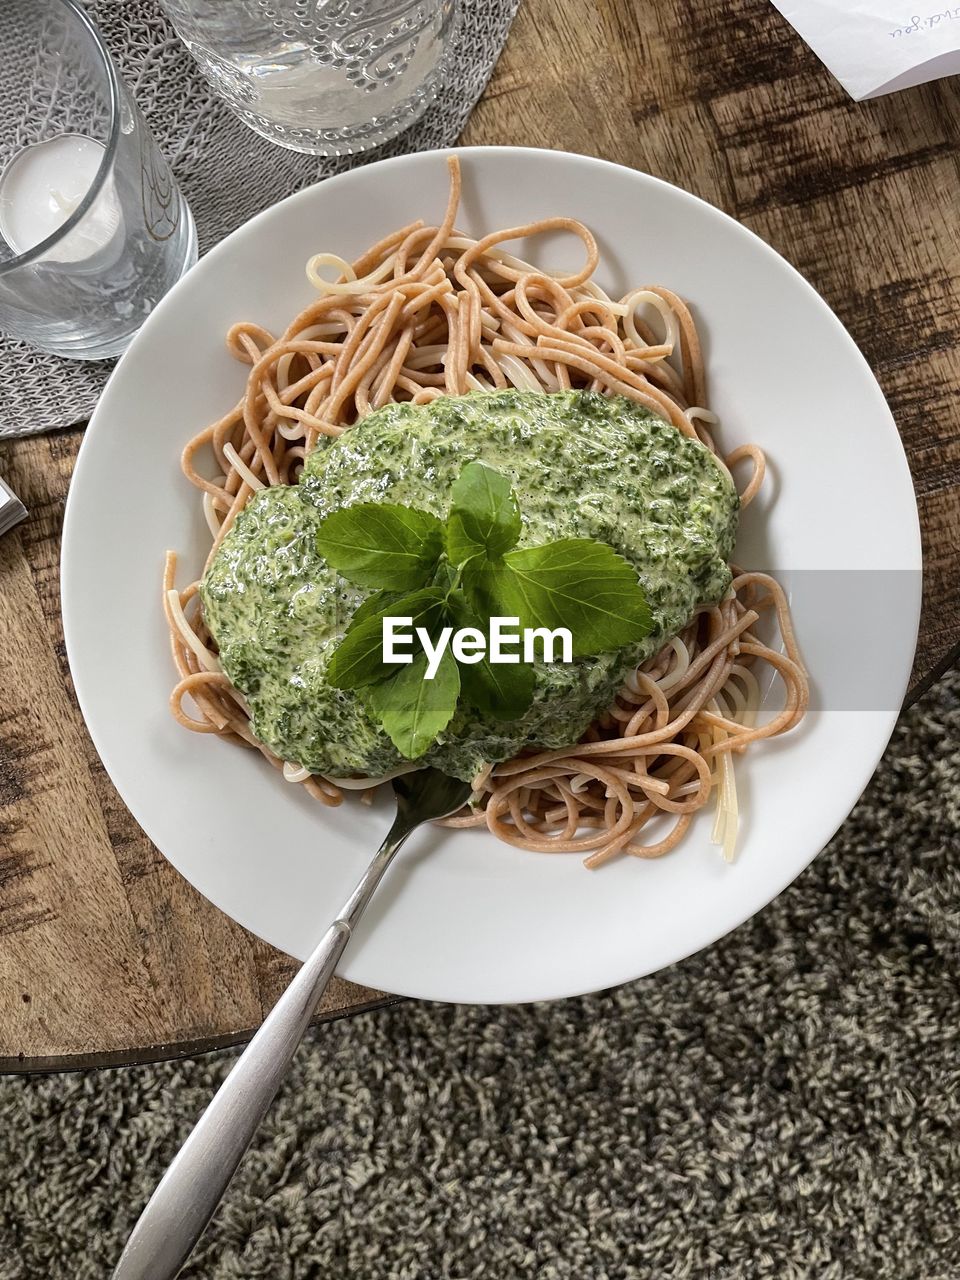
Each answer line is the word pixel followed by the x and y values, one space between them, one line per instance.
pixel 926 682
pixel 174 1051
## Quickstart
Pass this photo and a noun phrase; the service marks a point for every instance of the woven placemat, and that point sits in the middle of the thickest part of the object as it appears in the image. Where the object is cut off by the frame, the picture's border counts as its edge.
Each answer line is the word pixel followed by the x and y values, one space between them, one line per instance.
pixel 226 172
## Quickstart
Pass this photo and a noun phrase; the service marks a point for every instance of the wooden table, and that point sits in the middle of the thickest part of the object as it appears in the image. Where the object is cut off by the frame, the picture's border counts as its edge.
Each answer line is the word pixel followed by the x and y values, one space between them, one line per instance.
pixel 106 954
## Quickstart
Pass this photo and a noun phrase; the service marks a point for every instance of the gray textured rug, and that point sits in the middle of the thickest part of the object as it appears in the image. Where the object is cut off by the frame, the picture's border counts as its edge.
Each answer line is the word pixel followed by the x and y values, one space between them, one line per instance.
pixel 786 1104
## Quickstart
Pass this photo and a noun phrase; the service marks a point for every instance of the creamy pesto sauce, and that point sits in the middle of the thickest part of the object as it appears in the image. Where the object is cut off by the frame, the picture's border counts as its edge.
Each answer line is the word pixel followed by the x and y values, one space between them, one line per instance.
pixel 583 465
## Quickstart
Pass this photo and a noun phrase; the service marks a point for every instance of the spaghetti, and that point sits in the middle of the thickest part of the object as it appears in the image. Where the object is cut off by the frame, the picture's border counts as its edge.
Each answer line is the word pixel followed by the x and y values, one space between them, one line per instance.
pixel 429 311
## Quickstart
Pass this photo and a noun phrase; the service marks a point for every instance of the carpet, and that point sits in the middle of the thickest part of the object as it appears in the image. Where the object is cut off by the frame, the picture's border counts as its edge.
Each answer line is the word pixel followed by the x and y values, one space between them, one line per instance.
pixel 785 1104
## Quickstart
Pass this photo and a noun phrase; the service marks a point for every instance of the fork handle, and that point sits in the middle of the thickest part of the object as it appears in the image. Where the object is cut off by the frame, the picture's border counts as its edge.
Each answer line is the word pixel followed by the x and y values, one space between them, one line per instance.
pixel 190 1190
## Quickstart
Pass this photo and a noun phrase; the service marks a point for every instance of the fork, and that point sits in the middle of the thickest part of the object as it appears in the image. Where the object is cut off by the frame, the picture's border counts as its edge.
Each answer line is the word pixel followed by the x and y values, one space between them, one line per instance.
pixel 188 1193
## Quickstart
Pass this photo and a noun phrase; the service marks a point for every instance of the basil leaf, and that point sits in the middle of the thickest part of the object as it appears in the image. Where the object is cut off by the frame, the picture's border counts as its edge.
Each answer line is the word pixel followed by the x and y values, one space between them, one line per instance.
pixel 445 577
pixel 412 710
pixel 501 689
pixel 574 583
pixel 484 517
pixel 382 545
pixel 378 604
pixel 358 659
pixel 498 689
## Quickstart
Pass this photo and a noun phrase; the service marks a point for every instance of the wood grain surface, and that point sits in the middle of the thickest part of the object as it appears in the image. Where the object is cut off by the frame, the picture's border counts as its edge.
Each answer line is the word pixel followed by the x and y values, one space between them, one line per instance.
pixel 106 953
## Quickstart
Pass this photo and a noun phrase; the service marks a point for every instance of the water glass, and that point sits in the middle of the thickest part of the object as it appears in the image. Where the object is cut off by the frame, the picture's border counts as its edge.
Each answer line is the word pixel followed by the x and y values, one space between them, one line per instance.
pixel 93 228
pixel 329 77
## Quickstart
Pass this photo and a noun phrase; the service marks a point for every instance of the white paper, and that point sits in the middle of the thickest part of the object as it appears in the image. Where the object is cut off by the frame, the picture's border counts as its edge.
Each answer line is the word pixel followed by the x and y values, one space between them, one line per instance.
pixel 12 509
pixel 878 46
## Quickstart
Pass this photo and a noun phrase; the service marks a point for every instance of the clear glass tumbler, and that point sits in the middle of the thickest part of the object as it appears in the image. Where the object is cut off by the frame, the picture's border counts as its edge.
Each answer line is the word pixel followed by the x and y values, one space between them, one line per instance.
pixel 93 228
pixel 329 77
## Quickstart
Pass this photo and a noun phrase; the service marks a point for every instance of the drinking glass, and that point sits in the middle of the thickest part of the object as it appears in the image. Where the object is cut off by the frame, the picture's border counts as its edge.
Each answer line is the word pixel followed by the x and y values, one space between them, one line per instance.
pixel 329 77
pixel 93 228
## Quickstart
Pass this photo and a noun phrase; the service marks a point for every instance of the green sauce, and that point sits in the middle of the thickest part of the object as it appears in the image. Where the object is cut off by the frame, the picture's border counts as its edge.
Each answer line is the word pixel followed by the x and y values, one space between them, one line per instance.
pixel 583 465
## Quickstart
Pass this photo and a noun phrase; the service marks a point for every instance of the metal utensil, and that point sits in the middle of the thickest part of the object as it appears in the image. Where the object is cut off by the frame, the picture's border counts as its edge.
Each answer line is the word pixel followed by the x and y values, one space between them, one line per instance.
pixel 190 1190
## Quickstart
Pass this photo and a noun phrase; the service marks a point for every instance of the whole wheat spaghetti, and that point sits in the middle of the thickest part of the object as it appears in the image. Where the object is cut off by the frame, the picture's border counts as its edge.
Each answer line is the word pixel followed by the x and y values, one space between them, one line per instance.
pixel 429 311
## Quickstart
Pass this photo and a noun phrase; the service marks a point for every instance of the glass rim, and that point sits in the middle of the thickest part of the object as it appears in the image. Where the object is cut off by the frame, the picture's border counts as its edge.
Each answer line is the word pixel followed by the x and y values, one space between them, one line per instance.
pixel 113 83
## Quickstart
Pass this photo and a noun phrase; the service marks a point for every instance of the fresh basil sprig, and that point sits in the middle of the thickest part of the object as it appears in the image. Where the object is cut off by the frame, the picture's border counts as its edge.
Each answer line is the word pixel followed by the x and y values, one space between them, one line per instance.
pixel 574 583
pixel 358 659
pixel 503 690
pixel 484 516
pixel 413 710
pixel 383 545
pixel 460 573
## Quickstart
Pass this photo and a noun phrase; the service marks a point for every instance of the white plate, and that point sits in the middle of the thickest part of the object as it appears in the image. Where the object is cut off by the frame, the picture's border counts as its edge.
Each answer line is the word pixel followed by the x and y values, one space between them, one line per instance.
pixel 462 917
